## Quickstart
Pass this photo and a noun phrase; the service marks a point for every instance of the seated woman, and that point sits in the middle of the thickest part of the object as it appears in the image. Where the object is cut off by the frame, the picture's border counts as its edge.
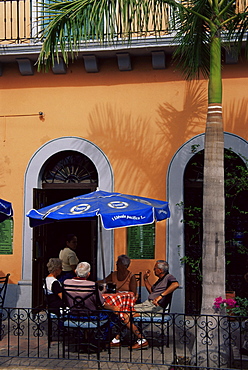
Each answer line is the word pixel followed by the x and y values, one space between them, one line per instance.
pixel 123 278
pixel 53 288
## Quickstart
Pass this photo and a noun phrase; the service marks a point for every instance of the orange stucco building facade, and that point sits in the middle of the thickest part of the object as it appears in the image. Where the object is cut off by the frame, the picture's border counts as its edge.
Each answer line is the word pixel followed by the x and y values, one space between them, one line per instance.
pixel 133 125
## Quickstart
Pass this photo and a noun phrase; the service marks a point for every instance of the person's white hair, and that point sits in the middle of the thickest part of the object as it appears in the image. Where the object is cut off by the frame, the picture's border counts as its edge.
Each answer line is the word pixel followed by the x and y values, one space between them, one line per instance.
pixel 54 264
pixel 82 269
pixel 163 265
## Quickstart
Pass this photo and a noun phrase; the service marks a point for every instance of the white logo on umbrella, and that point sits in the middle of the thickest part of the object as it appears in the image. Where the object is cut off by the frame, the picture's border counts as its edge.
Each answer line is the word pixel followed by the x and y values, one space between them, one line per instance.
pixel 80 208
pixel 118 205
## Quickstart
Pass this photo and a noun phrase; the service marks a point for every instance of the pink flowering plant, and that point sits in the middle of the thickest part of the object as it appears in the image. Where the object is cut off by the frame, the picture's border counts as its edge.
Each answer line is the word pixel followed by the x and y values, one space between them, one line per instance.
pixel 228 304
pixel 235 307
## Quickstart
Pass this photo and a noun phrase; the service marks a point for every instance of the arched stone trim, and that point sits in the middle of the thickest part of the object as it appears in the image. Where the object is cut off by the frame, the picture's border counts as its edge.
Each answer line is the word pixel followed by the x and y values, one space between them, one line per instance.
pixel 33 180
pixel 175 228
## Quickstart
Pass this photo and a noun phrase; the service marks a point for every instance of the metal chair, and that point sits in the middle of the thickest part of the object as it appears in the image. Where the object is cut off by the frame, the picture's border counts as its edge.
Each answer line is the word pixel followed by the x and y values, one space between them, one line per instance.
pixel 89 327
pixel 3 288
pixel 138 278
pixel 156 321
pixel 55 324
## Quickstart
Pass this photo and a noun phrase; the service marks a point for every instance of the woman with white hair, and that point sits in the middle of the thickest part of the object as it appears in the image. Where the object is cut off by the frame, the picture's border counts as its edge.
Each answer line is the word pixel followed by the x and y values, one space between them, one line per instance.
pixel 53 288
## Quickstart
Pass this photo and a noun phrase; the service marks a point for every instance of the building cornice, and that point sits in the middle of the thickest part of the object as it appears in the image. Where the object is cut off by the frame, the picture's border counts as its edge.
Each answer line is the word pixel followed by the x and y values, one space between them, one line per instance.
pixel 8 52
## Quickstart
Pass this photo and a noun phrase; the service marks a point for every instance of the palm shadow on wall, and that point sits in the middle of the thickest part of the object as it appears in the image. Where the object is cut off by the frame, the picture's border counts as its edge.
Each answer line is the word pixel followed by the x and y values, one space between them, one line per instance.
pixel 140 149
pixel 178 126
pixel 235 113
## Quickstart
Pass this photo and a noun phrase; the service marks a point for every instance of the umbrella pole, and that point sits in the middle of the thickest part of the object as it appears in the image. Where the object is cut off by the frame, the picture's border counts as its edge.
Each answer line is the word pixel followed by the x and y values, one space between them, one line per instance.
pixel 101 244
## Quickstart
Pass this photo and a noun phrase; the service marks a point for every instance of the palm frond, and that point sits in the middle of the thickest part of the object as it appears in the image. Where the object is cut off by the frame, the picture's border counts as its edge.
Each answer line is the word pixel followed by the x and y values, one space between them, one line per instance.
pixel 193 39
pixel 68 24
pixel 237 31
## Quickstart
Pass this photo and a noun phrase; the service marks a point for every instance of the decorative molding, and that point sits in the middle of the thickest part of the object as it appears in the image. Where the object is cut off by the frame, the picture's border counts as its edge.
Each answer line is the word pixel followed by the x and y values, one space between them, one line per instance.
pixel 90 63
pixel 124 61
pixel 59 67
pixel 158 60
pixel 25 66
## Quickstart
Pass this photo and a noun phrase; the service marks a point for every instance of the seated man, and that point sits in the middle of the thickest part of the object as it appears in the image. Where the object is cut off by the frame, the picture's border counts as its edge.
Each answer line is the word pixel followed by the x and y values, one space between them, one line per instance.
pixel 80 280
pixel 160 293
pixel 91 304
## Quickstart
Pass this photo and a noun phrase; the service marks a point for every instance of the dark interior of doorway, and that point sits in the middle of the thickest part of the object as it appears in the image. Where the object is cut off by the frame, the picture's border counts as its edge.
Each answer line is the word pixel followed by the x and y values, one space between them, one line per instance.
pixel 48 240
pixel 236 226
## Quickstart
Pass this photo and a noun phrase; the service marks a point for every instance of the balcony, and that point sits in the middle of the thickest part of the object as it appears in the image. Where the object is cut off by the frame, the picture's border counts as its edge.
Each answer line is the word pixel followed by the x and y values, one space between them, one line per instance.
pixel 19 32
pixel 17 21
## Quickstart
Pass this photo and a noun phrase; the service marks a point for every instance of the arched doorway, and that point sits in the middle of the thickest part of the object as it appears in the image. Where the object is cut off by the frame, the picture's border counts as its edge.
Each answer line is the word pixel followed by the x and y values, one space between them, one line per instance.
pixel 33 180
pixel 64 175
pixel 236 205
pixel 175 195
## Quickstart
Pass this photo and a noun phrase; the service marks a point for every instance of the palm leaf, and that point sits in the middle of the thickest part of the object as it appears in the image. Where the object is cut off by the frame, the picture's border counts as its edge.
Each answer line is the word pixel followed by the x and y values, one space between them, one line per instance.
pixel 69 25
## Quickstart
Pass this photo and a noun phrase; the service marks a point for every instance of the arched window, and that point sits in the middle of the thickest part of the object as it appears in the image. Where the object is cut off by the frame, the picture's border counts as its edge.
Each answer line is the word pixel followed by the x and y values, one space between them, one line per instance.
pixel 69 167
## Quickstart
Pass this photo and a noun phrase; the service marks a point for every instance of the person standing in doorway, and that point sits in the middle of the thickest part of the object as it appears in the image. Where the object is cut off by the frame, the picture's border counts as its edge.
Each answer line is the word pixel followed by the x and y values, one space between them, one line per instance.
pixel 69 258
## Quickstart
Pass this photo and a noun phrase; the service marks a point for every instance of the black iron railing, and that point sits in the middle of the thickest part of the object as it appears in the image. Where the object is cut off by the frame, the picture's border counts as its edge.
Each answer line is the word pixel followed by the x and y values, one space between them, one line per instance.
pixel 205 341
pixel 17 21
pixel 20 21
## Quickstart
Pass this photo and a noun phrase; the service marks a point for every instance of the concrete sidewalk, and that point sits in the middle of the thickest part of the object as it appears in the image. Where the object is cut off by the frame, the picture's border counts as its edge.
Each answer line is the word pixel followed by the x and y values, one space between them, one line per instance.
pixel 24 345
pixel 117 359
pixel 16 363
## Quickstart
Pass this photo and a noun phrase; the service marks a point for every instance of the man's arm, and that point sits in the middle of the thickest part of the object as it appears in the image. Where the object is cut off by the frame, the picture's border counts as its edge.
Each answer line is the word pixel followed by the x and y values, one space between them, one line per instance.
pixel 147 283
pixel 174 285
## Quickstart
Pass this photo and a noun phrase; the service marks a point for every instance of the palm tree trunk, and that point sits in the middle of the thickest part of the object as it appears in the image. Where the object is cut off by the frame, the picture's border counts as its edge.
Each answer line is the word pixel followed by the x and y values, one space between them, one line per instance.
pixel 211 349
pixel 213 253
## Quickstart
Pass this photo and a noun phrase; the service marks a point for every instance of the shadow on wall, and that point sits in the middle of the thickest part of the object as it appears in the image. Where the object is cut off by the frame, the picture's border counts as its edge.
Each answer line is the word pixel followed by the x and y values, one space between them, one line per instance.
pixel 140 149
pixel 235 116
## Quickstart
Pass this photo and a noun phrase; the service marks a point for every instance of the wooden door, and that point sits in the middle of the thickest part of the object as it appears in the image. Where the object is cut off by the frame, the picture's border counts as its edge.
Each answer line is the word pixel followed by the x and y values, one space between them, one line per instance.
pixel 48 240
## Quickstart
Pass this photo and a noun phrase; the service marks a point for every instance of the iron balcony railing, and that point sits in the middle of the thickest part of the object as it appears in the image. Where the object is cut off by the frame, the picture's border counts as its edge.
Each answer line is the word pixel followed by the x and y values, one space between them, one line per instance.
pixel 19 21
pixel 180 342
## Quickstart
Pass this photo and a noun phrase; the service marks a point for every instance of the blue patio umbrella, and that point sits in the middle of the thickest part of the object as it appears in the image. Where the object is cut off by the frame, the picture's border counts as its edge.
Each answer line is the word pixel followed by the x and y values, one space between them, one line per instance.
pixel 116 210
pixel 6 210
